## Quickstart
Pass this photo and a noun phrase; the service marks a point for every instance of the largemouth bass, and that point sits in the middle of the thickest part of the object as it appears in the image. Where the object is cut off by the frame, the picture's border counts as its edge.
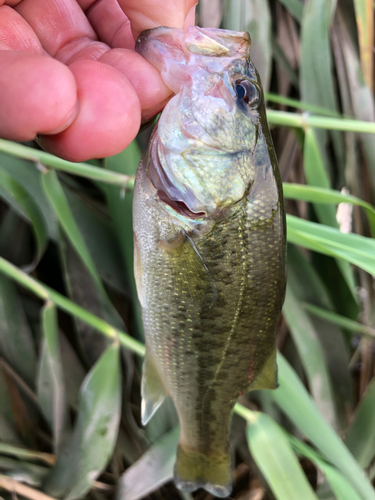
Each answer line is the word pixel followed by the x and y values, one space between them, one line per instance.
pixel 209 230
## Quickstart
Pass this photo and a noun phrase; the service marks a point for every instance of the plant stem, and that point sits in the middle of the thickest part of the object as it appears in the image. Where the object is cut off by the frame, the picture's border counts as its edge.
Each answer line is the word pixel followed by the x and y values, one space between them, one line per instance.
pixel 305 120
pixel 68 306
pixel 82 169
pixel 294 103
pixel 15 451
pixel 10 484
pixel 341 321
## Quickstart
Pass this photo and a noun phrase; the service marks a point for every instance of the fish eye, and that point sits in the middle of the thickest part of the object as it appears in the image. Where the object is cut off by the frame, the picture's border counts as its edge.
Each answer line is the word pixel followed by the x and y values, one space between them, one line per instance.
pixel 248 92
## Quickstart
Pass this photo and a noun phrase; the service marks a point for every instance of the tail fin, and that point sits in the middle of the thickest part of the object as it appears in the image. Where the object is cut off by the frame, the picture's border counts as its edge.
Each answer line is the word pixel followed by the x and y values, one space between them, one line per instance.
pixel 195 469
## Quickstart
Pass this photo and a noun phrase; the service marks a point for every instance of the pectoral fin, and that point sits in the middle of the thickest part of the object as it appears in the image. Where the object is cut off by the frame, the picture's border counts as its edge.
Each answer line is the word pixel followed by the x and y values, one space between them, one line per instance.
pixel 267 379
pixel 138 271
pixel 153 390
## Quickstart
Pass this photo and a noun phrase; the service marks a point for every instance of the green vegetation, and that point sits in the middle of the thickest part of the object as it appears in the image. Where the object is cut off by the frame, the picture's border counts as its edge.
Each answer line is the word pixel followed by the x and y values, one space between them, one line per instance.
pixel 71 338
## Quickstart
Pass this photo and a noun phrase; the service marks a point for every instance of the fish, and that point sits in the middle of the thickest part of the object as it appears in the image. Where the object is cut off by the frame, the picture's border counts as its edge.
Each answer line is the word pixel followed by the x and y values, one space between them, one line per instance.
pixel 210 245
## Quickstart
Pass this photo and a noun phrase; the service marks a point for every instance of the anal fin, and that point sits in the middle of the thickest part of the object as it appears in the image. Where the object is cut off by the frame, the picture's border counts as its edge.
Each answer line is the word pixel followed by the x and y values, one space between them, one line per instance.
pixel 267 378
pixel 153 390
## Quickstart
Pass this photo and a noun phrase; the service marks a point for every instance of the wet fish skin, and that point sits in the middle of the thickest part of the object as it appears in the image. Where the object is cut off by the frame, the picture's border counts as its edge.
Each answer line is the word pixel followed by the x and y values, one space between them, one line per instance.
pixel 209 229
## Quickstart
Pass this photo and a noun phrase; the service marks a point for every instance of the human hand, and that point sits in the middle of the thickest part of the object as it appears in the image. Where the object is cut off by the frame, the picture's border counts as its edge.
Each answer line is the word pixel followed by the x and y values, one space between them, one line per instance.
pixel 69 72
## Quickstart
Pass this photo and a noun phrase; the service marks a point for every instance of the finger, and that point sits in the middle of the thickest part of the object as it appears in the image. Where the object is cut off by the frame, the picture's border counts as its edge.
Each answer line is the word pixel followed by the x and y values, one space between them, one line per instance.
pixel 61 26
pixel 16 34
pixel 146 14
pixel 108 118
pixel 190 18
pixel 37 95
pixel 109 22
pixel 145 78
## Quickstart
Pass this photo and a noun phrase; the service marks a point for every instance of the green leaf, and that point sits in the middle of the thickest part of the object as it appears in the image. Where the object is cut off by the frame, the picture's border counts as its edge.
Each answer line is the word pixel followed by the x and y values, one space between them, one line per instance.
pixel 283 62
pixel 361 97
pixel 321 195
pixel 16 340
pixel 316 175
pixel 50 382
pixel 8 424
pixel 27 175
pixel 151 471
pixel 295 7
pixel 56 197
pixel 120 207
pixel 46 293
pixel 316 78
pixel 360 438
pixel 294 103
pixel 101 241
pixel 276 460
pixel 296 403
pixel 308 286
pixel 41 158
pixel 311 353
pixel 94 295
pixel 342 321
pixel 342 489
pixel 32 211
pixel 74 372
pixel 356 249
pixel 364 10
pixel 95 433
pixel 86 289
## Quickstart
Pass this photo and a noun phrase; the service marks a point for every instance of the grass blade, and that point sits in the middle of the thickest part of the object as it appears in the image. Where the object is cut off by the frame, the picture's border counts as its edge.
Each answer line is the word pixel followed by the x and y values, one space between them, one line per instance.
pixel 356 249
pixel 50 381
pixel 308 286
pixel 95 433
pixel 316 175
pixel 311 353
pixel 100 238
pixel 46 293
pixel 342 489
pixel 296 403
pixel 295 7
pixel 342 321
pixel 151 471
pixel 56 197
pixel 316 79
pixel 321 195
pixel 275 458
pixel 305 120
pixel 305 106
pixel 16 340
pixel 360 438
pixel 364 13
pixel 83 169
pixel 32 211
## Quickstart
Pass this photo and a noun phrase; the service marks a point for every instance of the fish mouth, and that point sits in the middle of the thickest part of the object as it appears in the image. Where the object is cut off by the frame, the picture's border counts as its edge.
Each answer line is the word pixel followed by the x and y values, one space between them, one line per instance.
pixel 171 50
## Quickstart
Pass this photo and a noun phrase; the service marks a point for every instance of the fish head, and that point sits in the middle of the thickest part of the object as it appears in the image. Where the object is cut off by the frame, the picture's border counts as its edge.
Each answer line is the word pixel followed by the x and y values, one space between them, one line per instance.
pixel 201 152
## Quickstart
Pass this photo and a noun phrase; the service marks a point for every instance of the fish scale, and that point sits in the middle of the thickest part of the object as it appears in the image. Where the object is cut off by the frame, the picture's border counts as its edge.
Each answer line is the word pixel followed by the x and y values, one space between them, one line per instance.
pixel 209 229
